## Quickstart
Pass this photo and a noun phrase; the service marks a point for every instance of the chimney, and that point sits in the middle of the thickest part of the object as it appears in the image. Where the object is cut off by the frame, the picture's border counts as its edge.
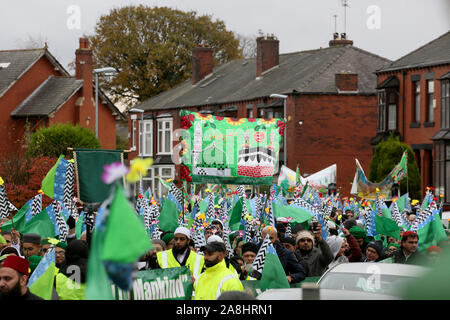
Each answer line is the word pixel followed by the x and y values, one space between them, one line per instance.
pixel 267 55
pixel 83 71
pixel 340 42
pixel 202 62
pixel 346 81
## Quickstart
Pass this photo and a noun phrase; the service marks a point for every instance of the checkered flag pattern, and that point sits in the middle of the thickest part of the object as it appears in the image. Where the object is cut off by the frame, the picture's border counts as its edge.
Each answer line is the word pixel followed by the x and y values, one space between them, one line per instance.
pixel 211 212
pixel 36 206
pixel 258 263
pixel 4 203
pixel 396 214
pixel 62 225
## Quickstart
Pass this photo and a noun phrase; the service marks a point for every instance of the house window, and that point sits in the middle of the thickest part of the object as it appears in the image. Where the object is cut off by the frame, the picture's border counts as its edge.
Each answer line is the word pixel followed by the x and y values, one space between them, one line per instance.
pixel 430 100
pixel 445 104
pixel 133 138
pixel 416 114
pixel 392 110
pixel 165 136
pixel 250 113
pixel 151 180
pixel 387 110
pixel 382 110
pixel 146 138
pixel 442 168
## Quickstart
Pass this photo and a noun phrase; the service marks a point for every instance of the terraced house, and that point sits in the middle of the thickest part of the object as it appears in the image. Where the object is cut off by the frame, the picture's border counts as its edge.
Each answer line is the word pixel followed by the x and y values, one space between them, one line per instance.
pixel 36 91
pixel 327 95
pixel 414 103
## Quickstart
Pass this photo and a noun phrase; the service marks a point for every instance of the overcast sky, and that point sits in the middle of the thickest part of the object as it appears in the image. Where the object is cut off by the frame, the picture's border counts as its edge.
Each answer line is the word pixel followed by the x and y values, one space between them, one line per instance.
pixel 389 28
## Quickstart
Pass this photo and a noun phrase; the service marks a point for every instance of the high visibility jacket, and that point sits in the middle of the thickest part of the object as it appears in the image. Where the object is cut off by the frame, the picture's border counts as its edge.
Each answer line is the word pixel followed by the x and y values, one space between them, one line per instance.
pixel 68 289
pixel 214 281
pixel 194 262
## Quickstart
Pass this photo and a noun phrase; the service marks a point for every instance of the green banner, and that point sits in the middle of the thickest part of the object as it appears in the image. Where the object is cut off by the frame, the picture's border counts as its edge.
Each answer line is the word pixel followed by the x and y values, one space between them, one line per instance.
pixel 225 150
pixel 158 284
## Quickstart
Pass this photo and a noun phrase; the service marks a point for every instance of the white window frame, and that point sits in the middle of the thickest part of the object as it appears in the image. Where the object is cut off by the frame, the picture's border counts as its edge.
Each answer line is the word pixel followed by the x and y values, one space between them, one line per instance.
pixel 143 132
pixel 133 134
pixel 162 131
pixel 154 181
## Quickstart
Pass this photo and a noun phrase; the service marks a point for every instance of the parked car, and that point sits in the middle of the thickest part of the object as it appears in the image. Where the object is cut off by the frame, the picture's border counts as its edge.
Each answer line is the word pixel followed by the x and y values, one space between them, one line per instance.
pixel 380 278
pixel 359 281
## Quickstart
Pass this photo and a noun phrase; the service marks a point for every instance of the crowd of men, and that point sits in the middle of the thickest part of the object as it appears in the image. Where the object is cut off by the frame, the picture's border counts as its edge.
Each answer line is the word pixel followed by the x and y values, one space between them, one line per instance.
pixel 302 252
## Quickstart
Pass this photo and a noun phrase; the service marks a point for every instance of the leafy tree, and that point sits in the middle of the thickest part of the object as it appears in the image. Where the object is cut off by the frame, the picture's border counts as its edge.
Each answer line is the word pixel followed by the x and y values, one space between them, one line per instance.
pixel 387 155
pixel 23 177
pixel 151 47
pixel 54 140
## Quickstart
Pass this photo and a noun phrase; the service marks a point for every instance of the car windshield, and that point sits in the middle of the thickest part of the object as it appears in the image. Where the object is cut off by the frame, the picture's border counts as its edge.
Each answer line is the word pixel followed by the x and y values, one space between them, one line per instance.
pixel 376 283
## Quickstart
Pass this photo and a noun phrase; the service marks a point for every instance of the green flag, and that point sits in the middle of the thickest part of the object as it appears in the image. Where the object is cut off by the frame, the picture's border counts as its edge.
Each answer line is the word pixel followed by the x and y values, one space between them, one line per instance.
pixel 40 224
pixel 235 216
pixel 125 239
pixel 387 227
pixel 48 183
pixel 298 215
pixel 401 169
pixel 18 220
pixel 273 275
pixel 43 286
pixel 122 238
pixel 431 234
pixel 98 285
pixel 168 218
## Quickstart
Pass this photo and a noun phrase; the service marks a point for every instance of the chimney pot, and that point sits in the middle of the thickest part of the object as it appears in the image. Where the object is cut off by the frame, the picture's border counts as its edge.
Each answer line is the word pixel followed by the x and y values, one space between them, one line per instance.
pixel 202 62
pixel 346 81
pixel 268 55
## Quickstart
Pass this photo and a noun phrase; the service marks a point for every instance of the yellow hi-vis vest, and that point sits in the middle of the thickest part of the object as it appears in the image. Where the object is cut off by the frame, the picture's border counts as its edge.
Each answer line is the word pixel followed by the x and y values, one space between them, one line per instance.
pixel 214 281
pixel 194 262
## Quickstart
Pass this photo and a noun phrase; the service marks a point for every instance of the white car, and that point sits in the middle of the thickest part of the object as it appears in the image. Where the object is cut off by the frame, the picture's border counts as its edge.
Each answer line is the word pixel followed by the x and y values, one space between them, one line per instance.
pixel 359 281
pixel 381 278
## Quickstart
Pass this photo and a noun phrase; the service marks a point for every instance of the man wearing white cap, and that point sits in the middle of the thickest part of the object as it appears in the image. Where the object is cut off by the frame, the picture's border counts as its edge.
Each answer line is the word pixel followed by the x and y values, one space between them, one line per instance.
pixel 181 255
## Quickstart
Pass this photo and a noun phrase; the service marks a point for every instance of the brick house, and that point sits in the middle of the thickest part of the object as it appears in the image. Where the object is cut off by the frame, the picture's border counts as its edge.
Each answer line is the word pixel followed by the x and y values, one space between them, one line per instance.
pixel 330 105
pixel 36 91
pixel 413 102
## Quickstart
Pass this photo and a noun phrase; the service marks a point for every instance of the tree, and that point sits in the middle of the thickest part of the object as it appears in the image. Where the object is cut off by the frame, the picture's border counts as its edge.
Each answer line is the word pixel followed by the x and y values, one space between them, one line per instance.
pixel 387 155
pixel 247 45
pixel 151 47
pixel 53 141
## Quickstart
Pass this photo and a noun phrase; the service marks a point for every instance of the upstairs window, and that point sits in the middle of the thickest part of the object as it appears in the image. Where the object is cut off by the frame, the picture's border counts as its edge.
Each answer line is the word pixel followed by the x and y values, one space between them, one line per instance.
pixel 445 104
pixel 416 113
pixel 146 138
pixel 165 135
pixel 430 101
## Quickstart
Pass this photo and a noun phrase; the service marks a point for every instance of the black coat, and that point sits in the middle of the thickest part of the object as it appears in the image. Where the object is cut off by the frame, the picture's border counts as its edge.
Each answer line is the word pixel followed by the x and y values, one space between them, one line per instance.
pixel 417 257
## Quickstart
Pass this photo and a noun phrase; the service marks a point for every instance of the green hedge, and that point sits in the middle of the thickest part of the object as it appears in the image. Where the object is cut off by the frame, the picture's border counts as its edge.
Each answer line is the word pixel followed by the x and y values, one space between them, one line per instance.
pixel 387 155
pixel 54 140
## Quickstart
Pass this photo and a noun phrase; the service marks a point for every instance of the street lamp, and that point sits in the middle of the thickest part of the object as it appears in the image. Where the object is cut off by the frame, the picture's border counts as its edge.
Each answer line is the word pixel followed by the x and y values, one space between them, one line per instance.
pixel 284 97
pixel 97 72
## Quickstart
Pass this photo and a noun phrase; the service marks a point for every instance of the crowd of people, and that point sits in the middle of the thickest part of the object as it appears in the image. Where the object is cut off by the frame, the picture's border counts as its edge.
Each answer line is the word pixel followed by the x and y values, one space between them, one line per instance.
pixel 302 251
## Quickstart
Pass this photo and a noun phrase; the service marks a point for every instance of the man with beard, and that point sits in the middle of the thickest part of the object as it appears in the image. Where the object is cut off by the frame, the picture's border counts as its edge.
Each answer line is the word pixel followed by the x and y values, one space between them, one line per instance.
pixel 14 278
pixel 317 257
pixel 180 254
pixel 217 278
